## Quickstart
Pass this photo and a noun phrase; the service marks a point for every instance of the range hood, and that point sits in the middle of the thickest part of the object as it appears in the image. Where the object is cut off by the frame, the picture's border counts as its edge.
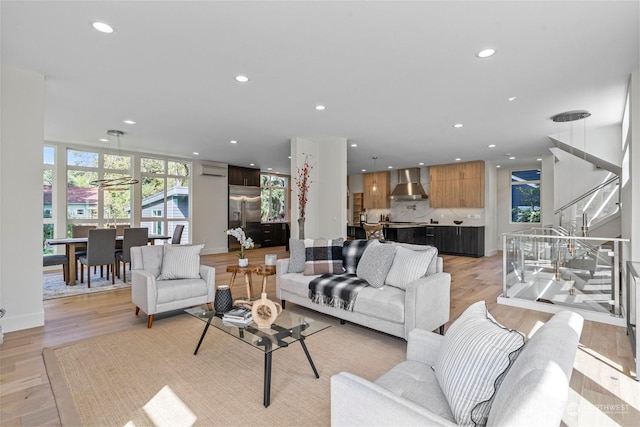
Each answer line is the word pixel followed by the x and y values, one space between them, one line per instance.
pixel 409 187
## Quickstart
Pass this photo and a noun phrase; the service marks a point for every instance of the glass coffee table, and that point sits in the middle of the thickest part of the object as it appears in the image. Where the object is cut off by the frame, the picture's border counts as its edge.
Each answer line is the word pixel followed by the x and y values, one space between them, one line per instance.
pixel 287 329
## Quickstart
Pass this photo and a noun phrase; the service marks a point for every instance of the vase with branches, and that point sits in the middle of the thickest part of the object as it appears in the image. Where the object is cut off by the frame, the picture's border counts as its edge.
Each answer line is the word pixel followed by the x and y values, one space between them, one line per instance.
pixel 303 182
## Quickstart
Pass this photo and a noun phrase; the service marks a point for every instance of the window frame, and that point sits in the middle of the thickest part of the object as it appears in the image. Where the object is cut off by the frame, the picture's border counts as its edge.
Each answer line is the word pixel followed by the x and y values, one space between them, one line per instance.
pixel 267 217
pixel 512 184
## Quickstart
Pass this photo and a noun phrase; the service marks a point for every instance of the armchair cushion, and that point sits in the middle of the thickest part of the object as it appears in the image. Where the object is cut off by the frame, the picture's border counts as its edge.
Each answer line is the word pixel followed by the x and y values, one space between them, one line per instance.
pixel 475 356
pixel 180 262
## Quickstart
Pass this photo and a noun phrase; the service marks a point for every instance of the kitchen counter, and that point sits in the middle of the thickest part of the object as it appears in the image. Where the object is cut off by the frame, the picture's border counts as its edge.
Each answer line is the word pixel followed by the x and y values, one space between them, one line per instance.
pixel 391 224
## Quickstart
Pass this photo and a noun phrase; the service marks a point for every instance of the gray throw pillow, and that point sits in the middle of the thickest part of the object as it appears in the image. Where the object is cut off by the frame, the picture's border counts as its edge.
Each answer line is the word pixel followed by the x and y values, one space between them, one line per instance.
pixel 297 256
pixel 375 263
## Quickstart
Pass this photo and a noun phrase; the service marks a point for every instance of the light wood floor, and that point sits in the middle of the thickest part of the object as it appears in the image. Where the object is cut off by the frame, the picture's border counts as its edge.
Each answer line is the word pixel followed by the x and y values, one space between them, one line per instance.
pixel 604 390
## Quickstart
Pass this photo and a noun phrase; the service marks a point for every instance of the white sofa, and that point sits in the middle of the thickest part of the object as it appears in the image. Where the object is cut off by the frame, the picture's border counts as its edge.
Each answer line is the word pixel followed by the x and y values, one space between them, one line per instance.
pixel 534 391
pixel 424 305
pixel 154 296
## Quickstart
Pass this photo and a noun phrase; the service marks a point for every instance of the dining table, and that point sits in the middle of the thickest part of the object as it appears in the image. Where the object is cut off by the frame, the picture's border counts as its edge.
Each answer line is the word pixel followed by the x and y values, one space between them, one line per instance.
pixel 71 243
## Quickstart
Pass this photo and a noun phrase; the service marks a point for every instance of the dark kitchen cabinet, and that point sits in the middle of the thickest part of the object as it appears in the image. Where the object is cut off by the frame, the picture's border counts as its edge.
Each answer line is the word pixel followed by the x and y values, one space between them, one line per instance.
pixel 275 234
pixel 244 176
pixel 413 235
pixel 457 240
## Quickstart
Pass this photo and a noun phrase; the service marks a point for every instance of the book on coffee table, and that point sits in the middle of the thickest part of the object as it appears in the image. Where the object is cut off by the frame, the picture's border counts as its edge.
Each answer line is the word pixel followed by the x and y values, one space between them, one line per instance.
pixel 237 314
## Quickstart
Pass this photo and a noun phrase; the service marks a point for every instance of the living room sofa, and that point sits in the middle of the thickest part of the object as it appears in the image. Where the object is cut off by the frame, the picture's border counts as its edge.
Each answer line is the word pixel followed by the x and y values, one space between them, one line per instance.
pixel 533 392
pixel 423 304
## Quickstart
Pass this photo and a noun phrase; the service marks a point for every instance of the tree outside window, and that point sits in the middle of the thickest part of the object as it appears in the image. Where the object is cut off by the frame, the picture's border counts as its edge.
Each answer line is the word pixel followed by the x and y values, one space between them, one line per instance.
pixel 525 196
pixel 273 197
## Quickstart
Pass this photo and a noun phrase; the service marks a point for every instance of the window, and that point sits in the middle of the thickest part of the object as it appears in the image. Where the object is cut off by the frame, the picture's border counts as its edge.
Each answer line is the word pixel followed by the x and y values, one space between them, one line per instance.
pixel 525 196
pixel 165 195
pixel 273 197
pixel 48 221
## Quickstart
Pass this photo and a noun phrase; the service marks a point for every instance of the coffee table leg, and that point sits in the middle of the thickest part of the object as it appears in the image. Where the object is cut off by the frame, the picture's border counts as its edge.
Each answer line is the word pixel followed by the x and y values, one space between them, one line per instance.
pixel 206 328
pixel 267 379
pixel 304 347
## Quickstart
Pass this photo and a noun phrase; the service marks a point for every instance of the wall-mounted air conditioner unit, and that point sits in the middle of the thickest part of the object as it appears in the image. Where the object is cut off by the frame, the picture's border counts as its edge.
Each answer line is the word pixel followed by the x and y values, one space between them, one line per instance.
pixel 213 169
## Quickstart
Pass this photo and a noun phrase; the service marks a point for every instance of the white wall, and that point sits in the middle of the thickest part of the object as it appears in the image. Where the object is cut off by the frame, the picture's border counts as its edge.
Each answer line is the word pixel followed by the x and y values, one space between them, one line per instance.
pixel 21 142
pixel 630 192
pixel 602 142
pixel 209 210
pixel 326 210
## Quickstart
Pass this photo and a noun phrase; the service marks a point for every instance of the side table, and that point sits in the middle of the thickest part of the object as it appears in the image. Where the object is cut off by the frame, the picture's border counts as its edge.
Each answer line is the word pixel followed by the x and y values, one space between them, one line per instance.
pixel 234 270
pixel 265 271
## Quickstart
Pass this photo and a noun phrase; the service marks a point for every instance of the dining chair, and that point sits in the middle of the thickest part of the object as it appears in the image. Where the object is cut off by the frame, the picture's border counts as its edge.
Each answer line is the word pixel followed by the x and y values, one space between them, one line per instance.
pixel 78 231
pixel 101 247
pixel 53 259
pixel 373 231
pixel 177 234
pixel 132 237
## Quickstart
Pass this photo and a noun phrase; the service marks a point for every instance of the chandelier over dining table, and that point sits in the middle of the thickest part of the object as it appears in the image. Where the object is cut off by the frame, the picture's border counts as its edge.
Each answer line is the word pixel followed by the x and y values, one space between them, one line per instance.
pixel 119 183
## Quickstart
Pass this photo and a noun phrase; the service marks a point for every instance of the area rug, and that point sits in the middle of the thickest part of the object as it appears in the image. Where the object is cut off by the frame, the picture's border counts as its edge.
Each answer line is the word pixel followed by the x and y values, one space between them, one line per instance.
pixel 53 285
pixel 146 376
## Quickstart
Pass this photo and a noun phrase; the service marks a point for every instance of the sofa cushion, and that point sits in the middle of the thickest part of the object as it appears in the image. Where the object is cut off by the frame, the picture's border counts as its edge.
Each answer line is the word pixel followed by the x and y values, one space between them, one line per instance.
pixel 295 283
pixel 408 266
pixel 386 303
pixel 181 262
pixel 297 256
pixel 323 256
pixel 475 355
pixel 352 251
pixel 417 383
pixel 375 263
pixel 181 289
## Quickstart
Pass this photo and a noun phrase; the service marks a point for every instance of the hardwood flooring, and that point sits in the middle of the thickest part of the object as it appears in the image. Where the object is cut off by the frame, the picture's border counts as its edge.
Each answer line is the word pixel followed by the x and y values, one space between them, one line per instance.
pixel 603 389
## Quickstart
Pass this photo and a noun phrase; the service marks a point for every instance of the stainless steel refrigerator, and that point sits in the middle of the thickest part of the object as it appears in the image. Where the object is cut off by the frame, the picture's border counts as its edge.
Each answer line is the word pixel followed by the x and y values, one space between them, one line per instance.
pixel 244 211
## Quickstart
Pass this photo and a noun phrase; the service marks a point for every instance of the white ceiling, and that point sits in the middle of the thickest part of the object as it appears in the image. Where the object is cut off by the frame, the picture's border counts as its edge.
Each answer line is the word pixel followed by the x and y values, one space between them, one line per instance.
pixel 394 76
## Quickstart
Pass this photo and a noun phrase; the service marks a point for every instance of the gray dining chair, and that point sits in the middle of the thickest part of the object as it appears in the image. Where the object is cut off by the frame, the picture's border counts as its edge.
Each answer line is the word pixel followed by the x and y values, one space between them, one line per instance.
pixel 101 247
pixel 177 234
pixel 53 259
pixel 80 231
pixel 132 237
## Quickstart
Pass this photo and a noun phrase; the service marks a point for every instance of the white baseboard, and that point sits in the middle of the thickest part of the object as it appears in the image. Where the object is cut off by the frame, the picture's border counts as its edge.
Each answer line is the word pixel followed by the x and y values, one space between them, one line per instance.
pixel 18 323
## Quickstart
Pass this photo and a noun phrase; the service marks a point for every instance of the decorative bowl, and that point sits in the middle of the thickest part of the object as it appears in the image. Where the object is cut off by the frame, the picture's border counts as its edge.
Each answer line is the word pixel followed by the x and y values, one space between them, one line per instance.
pixel 457 222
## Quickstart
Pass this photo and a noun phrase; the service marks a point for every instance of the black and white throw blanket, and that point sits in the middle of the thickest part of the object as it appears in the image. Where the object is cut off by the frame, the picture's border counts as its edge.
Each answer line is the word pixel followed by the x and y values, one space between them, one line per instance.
pixel 336 290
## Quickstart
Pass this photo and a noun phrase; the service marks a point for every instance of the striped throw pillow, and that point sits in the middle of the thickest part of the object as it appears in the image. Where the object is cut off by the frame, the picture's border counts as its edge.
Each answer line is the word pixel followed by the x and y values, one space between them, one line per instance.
pixel 476 354
pixel 323 256
pixel 408 266
pixel 181 262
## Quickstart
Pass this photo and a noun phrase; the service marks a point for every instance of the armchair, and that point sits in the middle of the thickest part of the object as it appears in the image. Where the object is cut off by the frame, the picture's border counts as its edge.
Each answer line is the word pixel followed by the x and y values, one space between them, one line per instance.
pixel 152 294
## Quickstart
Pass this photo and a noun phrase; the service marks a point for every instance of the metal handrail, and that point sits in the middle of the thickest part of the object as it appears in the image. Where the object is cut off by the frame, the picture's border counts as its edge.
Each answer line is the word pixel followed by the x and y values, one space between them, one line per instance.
pixel 587 194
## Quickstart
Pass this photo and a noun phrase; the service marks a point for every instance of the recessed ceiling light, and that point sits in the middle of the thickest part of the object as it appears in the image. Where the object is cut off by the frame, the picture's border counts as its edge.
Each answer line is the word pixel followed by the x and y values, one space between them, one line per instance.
pixel 195 153
pixel 233 141
pixel 512 158
pixel 363 170
pixel 491 145
pixel 389 167
pixel 421 164
pixel 103 140
pixel 242 79
pixel 269 169
pixel 458 125
pixel 320 107
pixel 354 145
pixel 129 122
pixel 458 159
pixel 252 164
pixel 289 157
pixel 497 166
pixel 538 159
pixel 512 98
pixel 485 53
pixel 102 27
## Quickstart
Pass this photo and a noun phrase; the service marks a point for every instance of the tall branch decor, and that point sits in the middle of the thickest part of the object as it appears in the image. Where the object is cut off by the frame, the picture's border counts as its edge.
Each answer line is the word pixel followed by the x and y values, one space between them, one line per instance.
pixel 303 182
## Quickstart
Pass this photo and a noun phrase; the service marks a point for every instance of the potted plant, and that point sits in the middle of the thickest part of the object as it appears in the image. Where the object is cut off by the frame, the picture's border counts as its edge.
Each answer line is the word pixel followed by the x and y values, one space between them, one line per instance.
pixel 245 243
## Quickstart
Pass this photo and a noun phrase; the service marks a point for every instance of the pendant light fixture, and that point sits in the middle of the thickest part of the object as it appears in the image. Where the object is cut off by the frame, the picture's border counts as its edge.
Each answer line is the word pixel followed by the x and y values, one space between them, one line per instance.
pixel 374 187
pixel 121 183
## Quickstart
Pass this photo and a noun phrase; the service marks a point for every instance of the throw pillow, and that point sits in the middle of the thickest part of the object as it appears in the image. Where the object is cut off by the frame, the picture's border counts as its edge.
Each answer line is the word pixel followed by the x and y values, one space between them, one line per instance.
pixel 375 263
pixel 352 251
pixel 296 256
pixel 181 262
pixel 323 256
pixel 476 354
pixel 408 266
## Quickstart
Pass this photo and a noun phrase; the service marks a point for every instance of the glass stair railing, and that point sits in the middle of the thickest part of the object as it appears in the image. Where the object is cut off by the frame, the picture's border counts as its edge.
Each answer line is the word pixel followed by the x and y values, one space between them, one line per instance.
pixel 549 267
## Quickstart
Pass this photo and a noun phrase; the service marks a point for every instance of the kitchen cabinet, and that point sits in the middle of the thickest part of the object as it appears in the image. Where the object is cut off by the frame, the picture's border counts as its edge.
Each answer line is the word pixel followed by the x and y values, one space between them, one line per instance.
pixel 275 234
pixel 355 232
pixel 244 176
pixel 356 208
pixel 458 240
pixel 378 199
pixel 457 185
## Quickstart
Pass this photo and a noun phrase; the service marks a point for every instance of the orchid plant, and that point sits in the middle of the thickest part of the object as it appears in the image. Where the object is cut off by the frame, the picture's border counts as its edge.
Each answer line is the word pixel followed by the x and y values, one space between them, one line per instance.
pixel 245 242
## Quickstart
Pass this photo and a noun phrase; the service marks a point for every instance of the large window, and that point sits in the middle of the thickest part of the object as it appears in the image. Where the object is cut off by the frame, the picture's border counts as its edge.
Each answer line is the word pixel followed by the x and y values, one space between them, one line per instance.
pixel 48 220
pixel 165 195
pixel 525 195
pixel 274 197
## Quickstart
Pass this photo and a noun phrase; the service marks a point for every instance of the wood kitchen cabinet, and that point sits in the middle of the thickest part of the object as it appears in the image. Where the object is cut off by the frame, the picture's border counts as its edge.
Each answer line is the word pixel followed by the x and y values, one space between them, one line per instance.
pixel 275 234
pixel 244 176
pixel 380 198
pixel 457 185
pixel 457 240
